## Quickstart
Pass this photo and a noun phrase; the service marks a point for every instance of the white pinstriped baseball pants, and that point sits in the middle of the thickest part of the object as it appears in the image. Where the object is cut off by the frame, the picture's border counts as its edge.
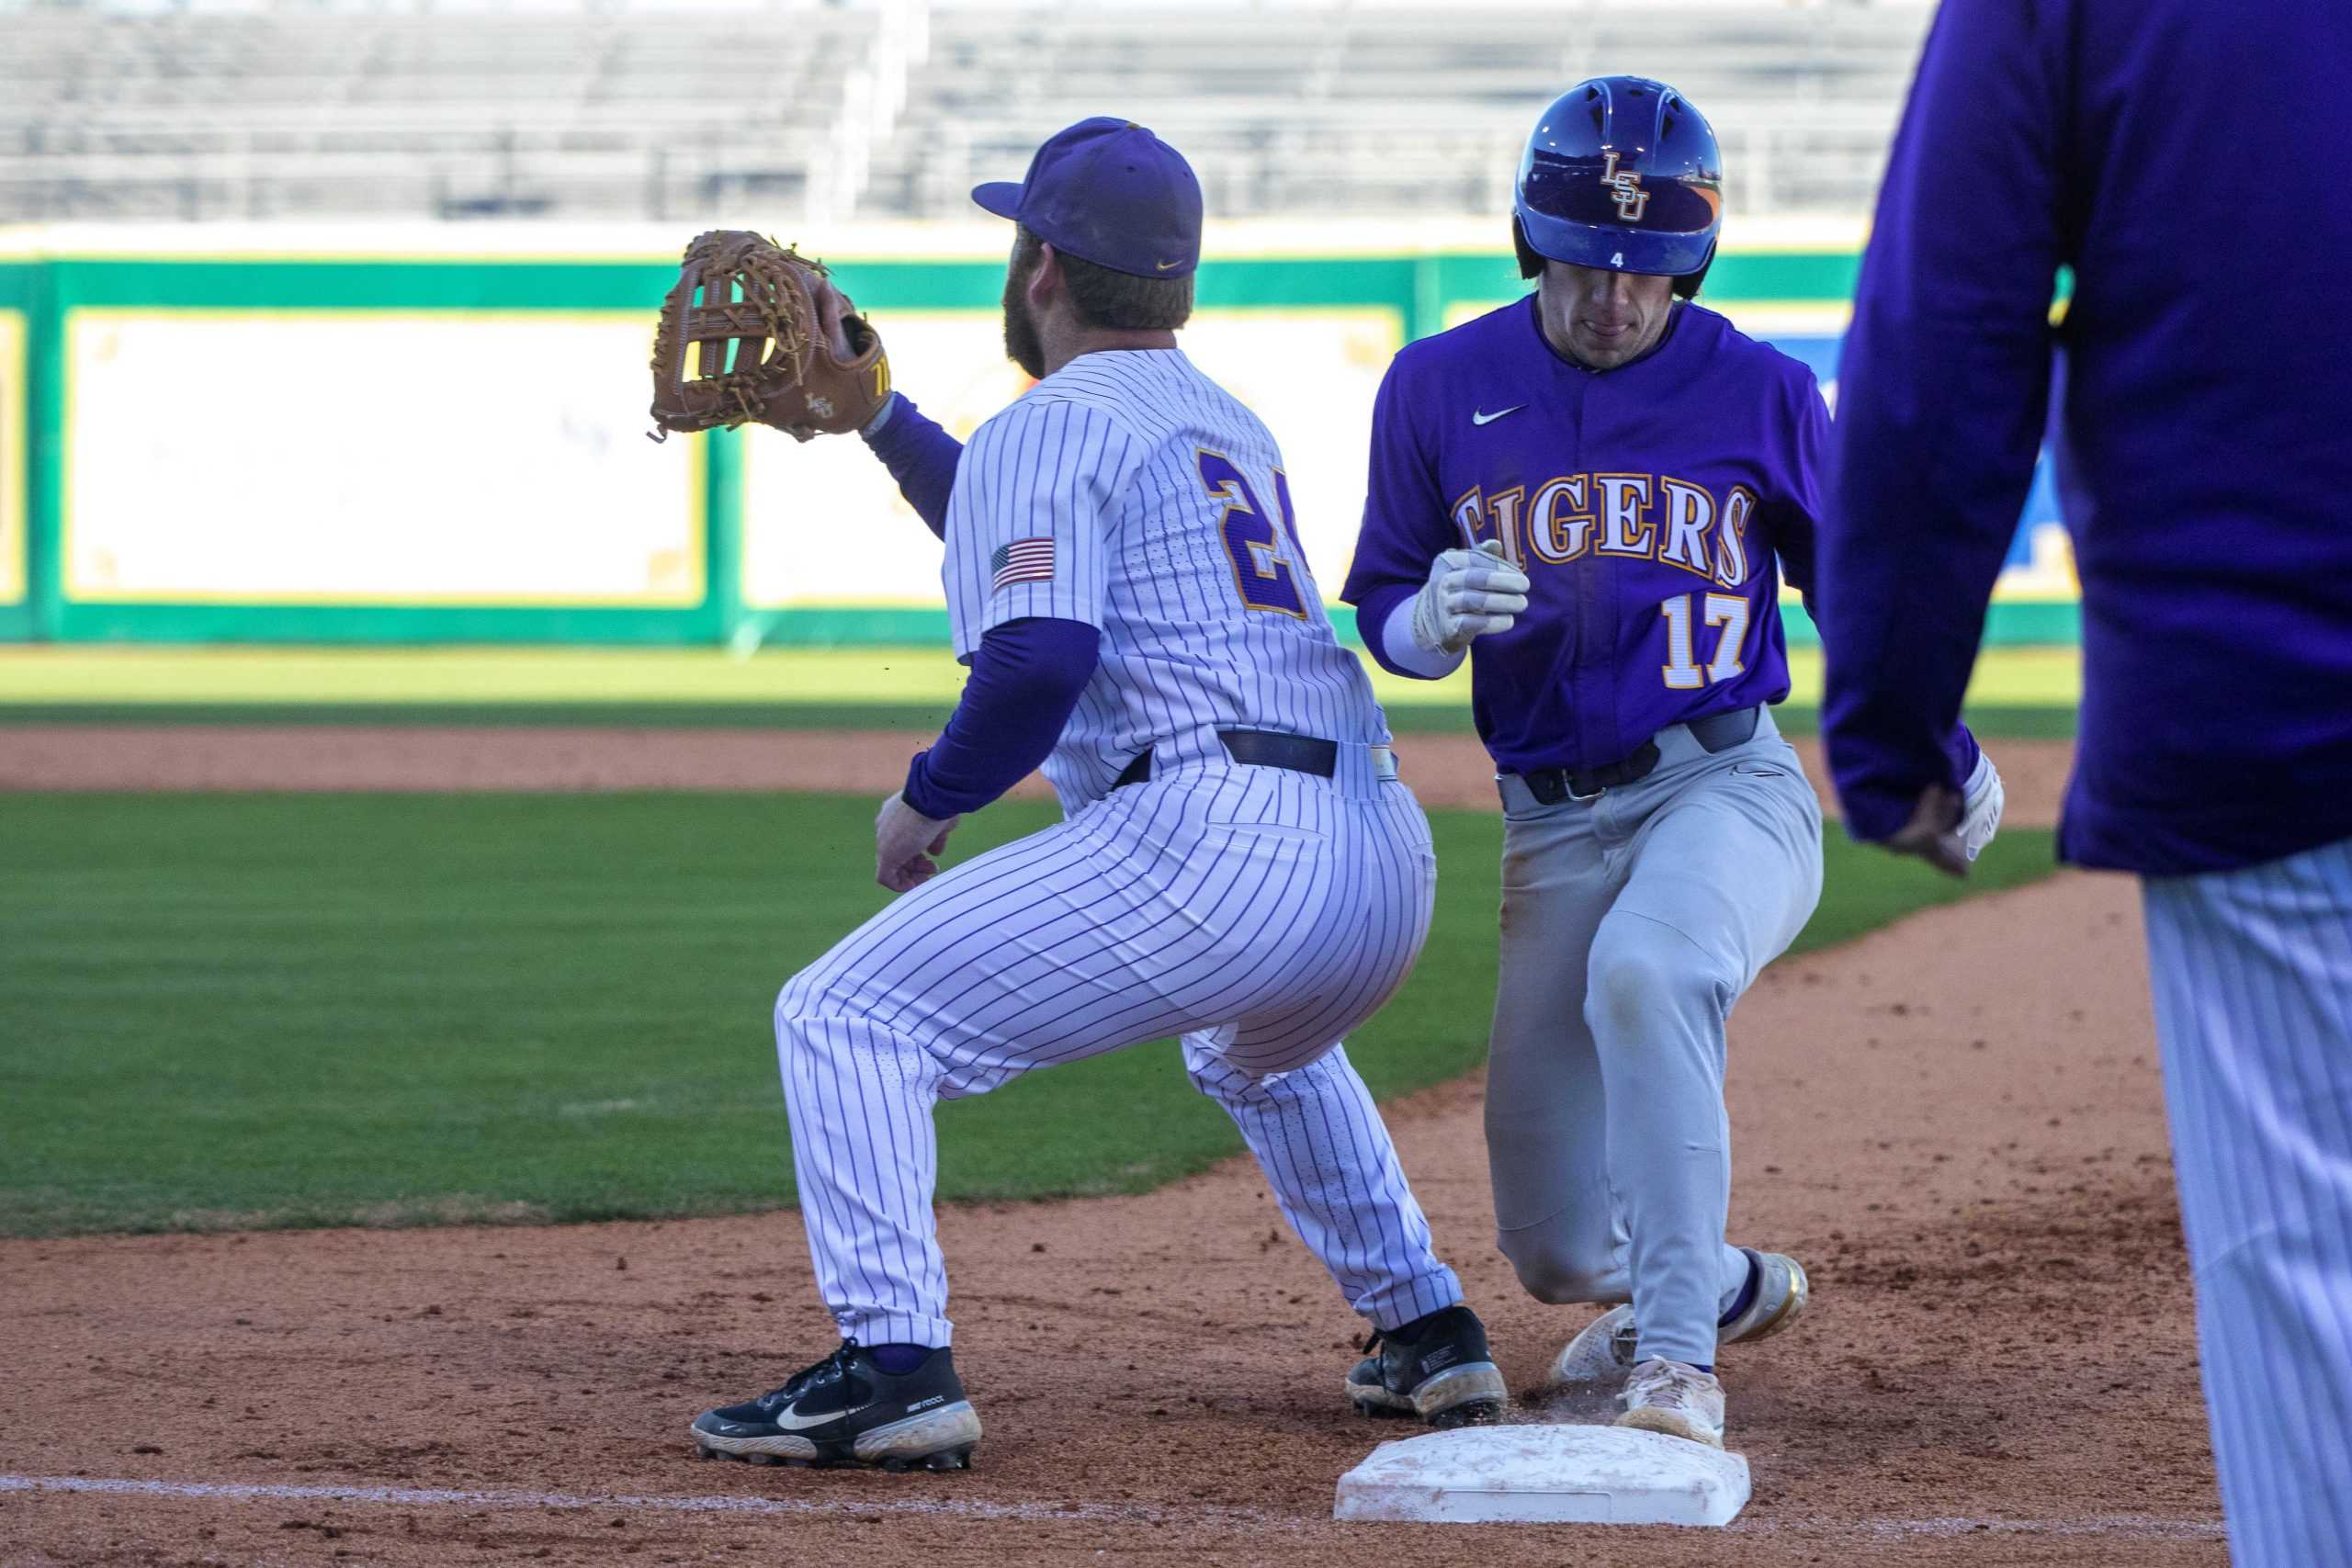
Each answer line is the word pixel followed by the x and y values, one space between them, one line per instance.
pixel 1259 913
pixel 2252 972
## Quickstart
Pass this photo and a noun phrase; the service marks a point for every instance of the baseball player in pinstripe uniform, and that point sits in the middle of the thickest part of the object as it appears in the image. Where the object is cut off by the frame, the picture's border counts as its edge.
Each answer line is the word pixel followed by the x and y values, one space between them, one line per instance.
pixel 1587 494
pixel 2208 481
pixel 1238 864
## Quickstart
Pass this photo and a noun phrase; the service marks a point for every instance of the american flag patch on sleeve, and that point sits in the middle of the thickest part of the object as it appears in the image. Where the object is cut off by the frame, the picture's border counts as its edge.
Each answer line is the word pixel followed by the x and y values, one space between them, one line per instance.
pixel 1023 560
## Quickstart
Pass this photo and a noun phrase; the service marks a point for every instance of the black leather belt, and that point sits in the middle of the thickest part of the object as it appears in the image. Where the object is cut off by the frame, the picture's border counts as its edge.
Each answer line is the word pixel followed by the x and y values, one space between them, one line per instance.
pixel 1720 732
pixel 1258 748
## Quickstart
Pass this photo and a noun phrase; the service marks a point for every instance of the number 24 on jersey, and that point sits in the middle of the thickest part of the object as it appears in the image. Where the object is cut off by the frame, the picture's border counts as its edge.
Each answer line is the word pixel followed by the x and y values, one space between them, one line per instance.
pixel 1260 546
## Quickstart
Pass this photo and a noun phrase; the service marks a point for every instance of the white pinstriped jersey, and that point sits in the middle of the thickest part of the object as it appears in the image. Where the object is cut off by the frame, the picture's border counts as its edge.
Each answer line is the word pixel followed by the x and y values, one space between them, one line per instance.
pixel 1130 491
pixel 1260 913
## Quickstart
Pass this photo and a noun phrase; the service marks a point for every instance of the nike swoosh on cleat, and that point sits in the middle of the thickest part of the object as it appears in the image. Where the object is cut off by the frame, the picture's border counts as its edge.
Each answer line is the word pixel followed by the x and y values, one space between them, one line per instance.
pixel 802 1423
pixel 1478 418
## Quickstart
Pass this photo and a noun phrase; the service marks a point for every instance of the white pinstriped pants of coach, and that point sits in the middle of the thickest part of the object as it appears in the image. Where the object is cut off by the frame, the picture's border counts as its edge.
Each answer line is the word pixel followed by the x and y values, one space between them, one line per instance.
pixel 1259 913
pixel 2252 982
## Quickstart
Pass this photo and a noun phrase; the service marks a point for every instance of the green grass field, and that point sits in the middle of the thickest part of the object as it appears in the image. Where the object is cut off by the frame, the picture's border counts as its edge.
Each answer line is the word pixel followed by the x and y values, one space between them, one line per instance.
pixel 251 1011
pixel 2018 693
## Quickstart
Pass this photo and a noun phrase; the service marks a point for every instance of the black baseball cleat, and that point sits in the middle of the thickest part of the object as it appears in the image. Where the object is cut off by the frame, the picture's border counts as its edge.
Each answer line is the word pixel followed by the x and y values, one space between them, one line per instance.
pixel 846 1410
pixel 1437 1368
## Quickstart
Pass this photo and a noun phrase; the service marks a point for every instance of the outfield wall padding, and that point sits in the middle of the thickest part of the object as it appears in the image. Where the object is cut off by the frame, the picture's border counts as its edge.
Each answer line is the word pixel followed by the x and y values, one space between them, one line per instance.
pixel 435 449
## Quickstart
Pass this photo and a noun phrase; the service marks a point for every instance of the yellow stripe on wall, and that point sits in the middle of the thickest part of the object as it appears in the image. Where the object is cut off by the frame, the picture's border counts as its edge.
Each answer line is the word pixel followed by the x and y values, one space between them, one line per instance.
pixel 16 394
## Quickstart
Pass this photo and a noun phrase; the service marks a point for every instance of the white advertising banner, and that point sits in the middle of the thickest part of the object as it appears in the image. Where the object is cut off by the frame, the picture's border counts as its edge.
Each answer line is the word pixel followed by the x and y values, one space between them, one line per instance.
pixel 1311 375
pixel 824 525
pixel 371 457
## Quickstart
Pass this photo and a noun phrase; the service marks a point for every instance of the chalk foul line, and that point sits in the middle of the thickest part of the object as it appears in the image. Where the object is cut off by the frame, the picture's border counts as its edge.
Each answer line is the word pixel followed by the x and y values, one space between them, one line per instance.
pixel 440 1497
pixel 2134 1525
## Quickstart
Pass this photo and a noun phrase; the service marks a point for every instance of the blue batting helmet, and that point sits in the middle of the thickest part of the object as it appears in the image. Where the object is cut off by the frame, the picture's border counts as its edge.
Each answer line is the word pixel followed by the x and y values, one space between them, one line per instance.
pixel 1622 172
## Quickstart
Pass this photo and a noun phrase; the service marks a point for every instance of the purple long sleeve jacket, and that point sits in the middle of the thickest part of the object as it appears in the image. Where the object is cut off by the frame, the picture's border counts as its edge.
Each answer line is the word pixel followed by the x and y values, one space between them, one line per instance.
pixel 2186 159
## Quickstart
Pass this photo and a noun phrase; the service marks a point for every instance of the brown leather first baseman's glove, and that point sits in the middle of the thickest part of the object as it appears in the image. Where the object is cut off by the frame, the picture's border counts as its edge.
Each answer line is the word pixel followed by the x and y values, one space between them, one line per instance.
pixel 771 349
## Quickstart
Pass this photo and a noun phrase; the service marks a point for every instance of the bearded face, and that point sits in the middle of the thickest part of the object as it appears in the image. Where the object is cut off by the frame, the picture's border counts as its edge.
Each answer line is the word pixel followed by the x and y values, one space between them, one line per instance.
pixel 1022 344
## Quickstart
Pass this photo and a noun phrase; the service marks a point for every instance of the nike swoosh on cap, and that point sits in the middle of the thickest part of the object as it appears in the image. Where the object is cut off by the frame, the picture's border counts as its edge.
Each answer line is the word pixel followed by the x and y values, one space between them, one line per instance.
pixel 1163 267
pixel 1478 418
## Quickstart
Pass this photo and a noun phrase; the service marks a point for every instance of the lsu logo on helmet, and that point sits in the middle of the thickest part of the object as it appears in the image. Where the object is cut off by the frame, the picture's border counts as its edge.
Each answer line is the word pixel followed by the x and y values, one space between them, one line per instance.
pixel 1627 186
pixel 1620 172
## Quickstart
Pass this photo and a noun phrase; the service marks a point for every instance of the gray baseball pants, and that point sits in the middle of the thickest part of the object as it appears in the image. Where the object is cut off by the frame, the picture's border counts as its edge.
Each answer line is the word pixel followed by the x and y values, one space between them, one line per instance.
pixel 1630 923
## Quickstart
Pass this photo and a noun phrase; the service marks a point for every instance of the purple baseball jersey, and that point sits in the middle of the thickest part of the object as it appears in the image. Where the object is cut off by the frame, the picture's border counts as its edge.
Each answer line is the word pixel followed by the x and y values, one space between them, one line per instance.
pixel 1646 504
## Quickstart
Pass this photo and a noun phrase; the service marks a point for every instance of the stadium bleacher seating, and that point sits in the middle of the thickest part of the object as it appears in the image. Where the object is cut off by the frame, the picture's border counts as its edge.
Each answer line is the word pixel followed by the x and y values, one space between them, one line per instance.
pixel 678 109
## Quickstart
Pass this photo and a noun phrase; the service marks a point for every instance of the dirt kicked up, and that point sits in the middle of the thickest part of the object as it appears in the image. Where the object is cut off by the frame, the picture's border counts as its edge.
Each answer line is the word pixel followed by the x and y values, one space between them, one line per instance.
pixel 1955 1123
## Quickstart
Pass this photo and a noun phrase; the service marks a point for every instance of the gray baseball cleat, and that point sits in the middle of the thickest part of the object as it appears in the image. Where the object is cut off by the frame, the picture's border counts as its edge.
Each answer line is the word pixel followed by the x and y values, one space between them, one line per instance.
pixel 1603 1351
pixel 1780 1293
pixel 1677 1400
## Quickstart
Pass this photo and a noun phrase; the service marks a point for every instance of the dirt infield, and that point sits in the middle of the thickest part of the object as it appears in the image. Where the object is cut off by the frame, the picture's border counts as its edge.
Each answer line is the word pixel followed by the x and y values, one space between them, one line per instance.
pixel 1444 770
pixel 1955 1123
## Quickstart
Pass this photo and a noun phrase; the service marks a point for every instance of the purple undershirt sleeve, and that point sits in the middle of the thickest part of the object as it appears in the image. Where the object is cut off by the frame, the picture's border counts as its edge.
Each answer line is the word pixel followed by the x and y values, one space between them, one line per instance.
pixel 921 456
pixel 1026 679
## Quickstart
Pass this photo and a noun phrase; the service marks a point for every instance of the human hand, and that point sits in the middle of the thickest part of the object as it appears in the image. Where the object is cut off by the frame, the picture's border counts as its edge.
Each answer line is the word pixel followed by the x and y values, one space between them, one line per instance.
pixel 1934 832
pixel 904 842
pixel 1470 593
pixel 833 314
pixel 1981 803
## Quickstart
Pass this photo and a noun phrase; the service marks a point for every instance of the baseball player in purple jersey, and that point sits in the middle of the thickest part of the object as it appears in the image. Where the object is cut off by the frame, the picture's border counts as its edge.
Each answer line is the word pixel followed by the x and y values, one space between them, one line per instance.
pixel 1586 493
pixel 2207 479
pixel 1238 864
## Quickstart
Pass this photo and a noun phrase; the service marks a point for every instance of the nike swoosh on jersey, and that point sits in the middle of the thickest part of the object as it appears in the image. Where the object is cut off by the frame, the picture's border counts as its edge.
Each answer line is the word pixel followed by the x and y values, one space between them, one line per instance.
pixel 1478 418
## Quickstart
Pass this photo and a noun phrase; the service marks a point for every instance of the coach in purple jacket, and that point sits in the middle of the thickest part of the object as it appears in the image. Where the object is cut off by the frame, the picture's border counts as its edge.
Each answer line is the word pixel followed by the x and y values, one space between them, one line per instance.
pixel 2187 161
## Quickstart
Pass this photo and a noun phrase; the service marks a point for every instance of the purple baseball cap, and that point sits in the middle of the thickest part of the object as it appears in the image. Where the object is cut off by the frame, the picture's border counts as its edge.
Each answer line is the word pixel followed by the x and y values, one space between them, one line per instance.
pixel 1110 192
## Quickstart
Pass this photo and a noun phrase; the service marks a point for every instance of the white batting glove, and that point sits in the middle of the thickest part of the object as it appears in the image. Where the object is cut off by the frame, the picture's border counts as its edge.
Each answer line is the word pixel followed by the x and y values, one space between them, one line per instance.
pixel 1981 802
pixel 1949 831
pixel 1469 595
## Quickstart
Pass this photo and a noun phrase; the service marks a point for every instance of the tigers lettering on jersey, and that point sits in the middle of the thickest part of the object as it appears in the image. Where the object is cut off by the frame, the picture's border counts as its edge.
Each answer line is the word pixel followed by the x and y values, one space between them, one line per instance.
pixel 1652 507
pixel 1654 517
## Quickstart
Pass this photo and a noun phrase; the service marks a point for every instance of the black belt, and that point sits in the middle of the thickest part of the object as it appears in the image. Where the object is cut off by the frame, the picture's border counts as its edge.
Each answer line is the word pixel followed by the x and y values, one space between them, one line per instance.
pixel 1720 732
pixel 1259 749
